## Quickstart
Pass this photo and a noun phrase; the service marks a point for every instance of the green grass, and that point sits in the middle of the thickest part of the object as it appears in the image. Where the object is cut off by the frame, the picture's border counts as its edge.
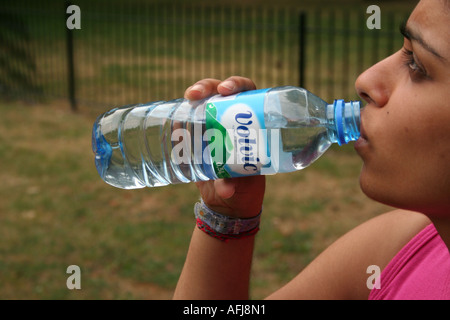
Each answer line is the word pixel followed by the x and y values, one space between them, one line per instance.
pixel 56 211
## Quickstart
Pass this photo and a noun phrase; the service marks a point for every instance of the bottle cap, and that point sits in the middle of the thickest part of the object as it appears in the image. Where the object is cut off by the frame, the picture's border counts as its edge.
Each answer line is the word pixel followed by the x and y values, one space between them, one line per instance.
pixel 347 120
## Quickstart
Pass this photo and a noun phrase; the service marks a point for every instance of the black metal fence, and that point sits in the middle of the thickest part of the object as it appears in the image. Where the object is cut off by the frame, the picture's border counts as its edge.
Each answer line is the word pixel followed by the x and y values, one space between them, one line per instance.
pixel 138 51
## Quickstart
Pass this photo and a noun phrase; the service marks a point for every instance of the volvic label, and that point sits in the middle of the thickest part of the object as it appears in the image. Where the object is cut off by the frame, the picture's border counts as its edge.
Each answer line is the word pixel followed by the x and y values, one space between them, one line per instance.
pixel 237 134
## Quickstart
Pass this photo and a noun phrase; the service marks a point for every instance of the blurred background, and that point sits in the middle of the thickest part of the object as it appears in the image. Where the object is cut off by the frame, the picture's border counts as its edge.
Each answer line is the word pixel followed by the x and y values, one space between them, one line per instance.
pixel 54 209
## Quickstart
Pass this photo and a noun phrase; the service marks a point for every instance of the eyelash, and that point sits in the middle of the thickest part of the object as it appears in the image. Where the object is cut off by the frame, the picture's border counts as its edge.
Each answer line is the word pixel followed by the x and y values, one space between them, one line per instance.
pixel 415 69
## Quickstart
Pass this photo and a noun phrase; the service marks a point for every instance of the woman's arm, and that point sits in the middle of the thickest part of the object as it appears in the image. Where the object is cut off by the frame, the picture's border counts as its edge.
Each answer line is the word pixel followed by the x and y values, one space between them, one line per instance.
pixel 340 271
pixel 215 269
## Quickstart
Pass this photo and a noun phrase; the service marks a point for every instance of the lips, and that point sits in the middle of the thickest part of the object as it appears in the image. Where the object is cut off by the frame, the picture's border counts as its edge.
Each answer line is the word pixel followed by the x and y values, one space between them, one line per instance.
pixel 363 140
pixel 363 132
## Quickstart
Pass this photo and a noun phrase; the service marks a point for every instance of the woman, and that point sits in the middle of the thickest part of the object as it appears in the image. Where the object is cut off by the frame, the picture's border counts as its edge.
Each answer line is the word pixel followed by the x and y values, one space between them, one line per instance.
pixel 405 148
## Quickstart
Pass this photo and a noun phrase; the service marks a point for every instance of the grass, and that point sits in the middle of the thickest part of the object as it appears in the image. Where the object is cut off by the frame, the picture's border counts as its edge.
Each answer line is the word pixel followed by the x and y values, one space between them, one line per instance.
pixel 56 212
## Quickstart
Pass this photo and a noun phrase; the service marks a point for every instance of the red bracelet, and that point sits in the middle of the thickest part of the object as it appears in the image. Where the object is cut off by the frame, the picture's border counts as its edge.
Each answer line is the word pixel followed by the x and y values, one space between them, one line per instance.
pixel 224 237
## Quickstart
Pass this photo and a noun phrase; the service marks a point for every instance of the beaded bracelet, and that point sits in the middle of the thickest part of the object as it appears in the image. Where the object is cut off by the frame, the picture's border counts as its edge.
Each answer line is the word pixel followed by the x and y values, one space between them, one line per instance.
pixel 223 227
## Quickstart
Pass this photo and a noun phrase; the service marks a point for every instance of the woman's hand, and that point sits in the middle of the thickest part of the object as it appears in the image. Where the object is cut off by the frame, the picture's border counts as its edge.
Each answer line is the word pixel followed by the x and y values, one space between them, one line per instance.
pixel 236 197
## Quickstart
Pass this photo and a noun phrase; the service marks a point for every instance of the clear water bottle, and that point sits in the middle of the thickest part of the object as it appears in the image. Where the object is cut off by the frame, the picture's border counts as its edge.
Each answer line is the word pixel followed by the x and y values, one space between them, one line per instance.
pixel 266 131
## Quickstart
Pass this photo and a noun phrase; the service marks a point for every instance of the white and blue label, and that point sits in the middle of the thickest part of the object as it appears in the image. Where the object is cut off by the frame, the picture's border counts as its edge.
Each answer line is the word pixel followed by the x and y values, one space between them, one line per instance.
pixel 237 134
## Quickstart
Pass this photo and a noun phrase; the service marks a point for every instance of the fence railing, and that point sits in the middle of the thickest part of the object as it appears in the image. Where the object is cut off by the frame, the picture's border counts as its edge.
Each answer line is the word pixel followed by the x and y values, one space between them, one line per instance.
pixel 137 51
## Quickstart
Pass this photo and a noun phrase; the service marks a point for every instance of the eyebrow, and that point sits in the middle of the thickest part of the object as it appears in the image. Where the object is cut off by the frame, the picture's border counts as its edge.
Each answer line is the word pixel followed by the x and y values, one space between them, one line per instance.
pixel 412 36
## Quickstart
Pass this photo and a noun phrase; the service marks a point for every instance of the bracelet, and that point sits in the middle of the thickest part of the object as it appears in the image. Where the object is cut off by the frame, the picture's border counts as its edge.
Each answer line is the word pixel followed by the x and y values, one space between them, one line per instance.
pixel 223 227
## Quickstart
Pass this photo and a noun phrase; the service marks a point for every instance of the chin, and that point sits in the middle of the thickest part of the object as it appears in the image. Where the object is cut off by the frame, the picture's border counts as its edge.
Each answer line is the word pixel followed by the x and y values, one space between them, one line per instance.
pixel 397 197
pixel 379 192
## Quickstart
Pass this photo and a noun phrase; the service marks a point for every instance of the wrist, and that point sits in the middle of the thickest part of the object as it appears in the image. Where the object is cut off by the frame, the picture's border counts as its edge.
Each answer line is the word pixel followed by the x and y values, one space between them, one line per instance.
pixel 234 210
pixel 224 227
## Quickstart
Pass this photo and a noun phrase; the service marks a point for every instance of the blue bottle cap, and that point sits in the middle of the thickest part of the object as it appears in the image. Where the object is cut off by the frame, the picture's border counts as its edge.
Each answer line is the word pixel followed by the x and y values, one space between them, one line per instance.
pixel 347 120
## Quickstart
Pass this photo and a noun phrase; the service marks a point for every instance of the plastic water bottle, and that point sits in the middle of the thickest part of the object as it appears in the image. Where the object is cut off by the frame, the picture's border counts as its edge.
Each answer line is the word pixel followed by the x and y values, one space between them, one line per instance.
pixel 266 131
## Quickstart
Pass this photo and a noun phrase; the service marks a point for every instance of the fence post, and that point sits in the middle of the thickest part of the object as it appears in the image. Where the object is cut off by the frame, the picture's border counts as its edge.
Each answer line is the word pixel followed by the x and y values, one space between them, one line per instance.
pixel 302 48
pixel 70 63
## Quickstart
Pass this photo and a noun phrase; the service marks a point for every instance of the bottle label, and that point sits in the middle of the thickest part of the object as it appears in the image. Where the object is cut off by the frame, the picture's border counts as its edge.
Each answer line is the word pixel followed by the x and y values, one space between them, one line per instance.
pixel 237 135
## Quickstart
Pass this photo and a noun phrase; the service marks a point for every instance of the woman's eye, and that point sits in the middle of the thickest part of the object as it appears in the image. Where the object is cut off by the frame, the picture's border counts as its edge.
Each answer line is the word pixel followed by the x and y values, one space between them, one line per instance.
pixel 414 67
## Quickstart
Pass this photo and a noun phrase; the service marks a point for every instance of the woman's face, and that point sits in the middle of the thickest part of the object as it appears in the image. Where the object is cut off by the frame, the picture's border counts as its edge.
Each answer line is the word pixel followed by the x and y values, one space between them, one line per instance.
pixel 405 142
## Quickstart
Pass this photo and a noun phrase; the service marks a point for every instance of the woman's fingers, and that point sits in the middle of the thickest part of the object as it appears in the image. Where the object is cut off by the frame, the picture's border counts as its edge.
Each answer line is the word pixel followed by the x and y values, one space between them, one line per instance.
pixel 208 87
pixel 235 84
pixel 202 89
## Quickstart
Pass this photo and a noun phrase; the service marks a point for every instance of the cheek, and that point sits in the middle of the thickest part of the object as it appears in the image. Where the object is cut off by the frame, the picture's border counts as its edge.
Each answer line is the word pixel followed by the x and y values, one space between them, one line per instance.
pixel 408 164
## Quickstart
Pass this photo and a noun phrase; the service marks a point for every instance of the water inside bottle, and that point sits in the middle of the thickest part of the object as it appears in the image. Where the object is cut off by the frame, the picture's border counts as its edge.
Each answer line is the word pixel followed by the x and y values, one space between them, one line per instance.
pixel 165 143
pixel 140 146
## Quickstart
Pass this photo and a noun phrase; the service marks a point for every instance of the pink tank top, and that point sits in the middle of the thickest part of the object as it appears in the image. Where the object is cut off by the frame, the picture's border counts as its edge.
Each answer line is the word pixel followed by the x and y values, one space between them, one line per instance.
pixel 420 271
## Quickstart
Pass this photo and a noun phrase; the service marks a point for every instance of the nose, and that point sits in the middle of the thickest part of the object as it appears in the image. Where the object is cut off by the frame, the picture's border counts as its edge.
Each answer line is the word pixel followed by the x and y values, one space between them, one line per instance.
pixel 376 83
